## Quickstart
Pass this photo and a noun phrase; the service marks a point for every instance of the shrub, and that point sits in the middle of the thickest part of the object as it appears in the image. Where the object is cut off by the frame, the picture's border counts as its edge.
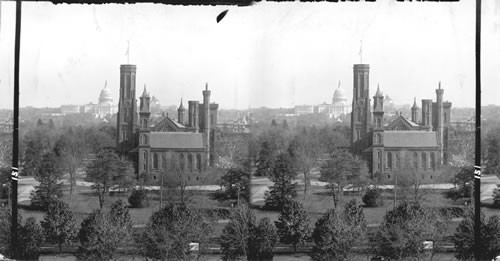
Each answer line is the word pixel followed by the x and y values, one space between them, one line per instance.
pixel 138 199
pixel 59 224
pixel 30 238
pixel 496 197
pixel 373 198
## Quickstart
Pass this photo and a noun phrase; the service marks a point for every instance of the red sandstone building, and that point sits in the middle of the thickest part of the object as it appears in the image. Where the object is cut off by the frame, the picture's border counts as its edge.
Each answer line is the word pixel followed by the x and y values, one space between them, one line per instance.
pixel 419 144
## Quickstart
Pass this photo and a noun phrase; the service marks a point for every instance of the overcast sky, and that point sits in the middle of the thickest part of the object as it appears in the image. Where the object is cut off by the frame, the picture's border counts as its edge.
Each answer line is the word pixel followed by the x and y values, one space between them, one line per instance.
pixel 268 54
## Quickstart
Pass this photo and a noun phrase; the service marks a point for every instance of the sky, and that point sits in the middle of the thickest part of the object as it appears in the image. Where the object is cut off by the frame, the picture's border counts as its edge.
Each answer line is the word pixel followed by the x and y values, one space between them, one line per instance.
pixel 268 54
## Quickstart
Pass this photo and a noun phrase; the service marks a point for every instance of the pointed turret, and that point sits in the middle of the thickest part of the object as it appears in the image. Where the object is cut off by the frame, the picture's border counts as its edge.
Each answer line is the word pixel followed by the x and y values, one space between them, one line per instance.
pixel 414 111
pixel 378 108
pixel 414 103
pixel 145 93
pixel 180 113
pixel 379 93
pixel 145 101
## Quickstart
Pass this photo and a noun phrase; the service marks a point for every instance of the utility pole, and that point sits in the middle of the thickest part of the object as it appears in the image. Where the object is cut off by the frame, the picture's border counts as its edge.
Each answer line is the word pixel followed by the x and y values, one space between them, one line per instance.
pixel 15 140
pixel 477 163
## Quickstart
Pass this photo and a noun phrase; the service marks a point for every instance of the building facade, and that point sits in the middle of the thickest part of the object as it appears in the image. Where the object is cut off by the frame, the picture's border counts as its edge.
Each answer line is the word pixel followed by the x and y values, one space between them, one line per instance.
pixel 401 145
pixel 185 145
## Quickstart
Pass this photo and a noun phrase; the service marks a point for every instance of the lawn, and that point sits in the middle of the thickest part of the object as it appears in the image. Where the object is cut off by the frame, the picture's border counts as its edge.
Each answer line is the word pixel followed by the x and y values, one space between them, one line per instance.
pixel 86 200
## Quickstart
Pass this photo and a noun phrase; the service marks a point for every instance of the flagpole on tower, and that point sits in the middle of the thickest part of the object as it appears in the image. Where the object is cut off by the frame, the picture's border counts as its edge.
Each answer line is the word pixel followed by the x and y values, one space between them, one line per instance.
pixel 361 51
pixel 128 52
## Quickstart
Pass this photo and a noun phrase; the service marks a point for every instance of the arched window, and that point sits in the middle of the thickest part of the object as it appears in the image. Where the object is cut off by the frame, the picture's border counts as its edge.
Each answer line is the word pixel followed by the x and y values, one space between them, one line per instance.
pixel 423 160
pixel 388 159
pixel 190 162
pixel 379 160
pixel 163 164
pixel 415 160
pixel 198 161
pixel 155 160
pixel 433 161
pixel 397 160
pixel 379 123
pixel 144 123
pixel 181 162
pixel 144 160
pixel 144 139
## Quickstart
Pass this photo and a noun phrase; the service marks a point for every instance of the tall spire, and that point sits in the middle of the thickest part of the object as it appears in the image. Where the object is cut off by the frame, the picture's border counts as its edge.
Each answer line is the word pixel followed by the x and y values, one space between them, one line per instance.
pixel 181 107
pixel 145 93
pixel 206 86
pixel 105 84
pixel 378 93
pixel 338 87
pixel 414 102
pixel 440 85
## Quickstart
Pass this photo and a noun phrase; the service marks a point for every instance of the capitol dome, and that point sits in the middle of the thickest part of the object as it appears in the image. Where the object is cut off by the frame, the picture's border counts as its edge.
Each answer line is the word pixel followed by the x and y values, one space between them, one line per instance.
pixel 339 96
pixel 105 96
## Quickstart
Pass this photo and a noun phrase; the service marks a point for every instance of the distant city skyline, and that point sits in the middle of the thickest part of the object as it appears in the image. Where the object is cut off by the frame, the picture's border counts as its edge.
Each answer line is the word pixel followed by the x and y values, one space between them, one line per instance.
pixel 266 55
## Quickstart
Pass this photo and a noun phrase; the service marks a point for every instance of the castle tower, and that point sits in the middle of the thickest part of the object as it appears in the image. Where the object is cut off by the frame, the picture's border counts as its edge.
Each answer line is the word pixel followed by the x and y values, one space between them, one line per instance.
pixel 414 111
pixel 378 133
pixel 127 114
pixel 206 121
pixel 439 121
pixel 180 113
pixel 144 131
pixel 378 109
pixel 360 116
pixel 427 113
pixel 193 115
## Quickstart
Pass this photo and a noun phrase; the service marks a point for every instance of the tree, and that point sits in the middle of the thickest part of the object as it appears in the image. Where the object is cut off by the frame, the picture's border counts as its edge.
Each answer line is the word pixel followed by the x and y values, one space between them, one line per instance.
pixel 306 151
pixel 244 237
pixel 70 149
pixel 232 148
pixel 138 198
pixel 59 224
pixel 30 238
pixel 105 171
pixel 98 236
pixel 463 181
pixel 5 229
pixel 336 232
pixel 373 198
pixel 38 142
pixel 235 235
pixel 98 140
pixel 50 187
pixel 121 219
pixel 283 190
pixel 489 246
pixel 405 228
pixel 265 160
pixel 293 224
pixel 170 231
pixel 177 181
pixel 340 170
pixel 496 196
pixel 493 151
pixel 235 183
pixel 408 184
pixel 263 238
pixel 331 139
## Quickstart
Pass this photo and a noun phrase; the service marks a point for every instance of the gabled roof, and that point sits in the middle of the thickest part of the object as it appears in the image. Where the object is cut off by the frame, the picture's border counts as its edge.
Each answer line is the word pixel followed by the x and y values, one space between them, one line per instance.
pixel 167 124
pixel 176 140
pixel 409 139
pixel 401 123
